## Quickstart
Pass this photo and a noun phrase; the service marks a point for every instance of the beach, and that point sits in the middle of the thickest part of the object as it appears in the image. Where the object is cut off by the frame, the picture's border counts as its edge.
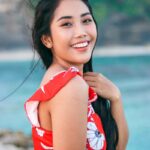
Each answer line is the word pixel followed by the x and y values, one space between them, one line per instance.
pixel 15 141
pixel 23 54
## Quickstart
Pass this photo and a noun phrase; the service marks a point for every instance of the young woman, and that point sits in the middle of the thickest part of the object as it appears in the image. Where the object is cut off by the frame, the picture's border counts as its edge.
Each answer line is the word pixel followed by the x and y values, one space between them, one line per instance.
pixel 74 108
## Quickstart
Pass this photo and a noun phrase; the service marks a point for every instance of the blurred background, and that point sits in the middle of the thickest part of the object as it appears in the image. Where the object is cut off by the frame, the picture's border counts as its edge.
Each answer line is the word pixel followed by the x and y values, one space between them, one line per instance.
pixel 122 54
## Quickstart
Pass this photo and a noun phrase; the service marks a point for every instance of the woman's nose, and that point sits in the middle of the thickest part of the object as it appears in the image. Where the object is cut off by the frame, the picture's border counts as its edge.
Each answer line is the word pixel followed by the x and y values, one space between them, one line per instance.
pixel 79 32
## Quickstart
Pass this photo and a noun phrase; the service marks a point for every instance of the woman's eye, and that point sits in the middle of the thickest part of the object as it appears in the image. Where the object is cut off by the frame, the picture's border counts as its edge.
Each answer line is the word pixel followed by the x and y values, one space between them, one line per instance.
pixel 87 21
pixel 67 24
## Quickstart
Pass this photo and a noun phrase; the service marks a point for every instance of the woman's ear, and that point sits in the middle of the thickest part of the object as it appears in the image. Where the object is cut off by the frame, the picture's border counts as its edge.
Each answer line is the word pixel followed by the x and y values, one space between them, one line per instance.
pixel 46 40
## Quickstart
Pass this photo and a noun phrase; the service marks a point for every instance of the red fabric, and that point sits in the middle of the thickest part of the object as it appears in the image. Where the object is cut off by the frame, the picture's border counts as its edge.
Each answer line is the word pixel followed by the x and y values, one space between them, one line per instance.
pixel 43 139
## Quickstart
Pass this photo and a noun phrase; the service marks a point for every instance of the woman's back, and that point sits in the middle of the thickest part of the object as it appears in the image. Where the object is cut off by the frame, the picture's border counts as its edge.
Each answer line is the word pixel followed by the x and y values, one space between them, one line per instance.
pixel 68 111
pixel 43 108
pixel 62 120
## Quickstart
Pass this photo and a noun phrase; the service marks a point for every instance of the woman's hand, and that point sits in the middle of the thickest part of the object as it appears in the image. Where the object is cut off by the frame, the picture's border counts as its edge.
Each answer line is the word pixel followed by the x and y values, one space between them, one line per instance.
pixel 106 89
pixel 102 86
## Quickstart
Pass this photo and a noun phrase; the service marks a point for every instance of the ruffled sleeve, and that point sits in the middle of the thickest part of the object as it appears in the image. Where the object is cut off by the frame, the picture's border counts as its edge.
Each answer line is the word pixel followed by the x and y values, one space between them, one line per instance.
pixel 49 90
pixel 46 92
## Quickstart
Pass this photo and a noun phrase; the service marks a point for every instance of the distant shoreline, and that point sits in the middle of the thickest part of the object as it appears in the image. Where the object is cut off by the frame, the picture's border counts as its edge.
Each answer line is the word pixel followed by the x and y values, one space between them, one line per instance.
pixel 114 51
pixel 11 140
pixel 111 51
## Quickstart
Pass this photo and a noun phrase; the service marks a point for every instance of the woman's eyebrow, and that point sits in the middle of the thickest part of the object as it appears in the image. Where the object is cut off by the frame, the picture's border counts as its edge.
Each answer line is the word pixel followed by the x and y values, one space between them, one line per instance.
pixel 69 17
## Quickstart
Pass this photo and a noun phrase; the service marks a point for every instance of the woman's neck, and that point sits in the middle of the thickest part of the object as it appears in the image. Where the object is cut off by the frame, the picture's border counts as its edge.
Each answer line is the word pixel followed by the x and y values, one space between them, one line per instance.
pixel 67 66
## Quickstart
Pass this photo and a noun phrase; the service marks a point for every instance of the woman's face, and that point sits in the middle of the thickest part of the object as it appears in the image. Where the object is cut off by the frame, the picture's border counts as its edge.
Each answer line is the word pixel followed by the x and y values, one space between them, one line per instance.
pixel 73 33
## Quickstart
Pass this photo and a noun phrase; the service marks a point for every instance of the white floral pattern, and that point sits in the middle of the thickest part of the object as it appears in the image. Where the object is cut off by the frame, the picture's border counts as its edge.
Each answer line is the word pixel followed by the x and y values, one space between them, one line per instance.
pixel 42 88
pixel 96 139
pixel 40 132
pixel 90 110
pixel 46 147
pixel 74 69
pixel 95 134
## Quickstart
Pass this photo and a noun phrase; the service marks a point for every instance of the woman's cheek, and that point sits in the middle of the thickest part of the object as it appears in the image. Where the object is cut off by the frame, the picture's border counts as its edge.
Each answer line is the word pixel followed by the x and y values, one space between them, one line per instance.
pixel 93 30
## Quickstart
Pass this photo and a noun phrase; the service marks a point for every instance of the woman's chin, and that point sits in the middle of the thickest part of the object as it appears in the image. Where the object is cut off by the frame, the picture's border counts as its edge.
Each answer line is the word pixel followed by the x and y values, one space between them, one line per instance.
pixel 83 61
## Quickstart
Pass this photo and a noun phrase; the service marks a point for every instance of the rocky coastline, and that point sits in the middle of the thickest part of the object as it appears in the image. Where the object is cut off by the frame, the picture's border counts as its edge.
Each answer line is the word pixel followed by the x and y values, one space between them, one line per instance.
pixel 10 140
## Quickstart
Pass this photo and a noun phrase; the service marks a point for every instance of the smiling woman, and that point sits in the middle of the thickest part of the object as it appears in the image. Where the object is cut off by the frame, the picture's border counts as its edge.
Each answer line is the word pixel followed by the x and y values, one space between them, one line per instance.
pixel 81 34
pixel 64 35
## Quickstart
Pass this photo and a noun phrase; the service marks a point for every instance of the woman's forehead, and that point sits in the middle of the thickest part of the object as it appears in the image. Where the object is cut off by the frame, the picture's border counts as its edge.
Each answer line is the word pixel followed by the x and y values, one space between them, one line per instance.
pixel 72 8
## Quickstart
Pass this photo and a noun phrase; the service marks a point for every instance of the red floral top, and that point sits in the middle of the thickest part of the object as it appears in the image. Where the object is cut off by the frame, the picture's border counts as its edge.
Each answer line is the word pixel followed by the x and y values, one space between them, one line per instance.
pixel 43 139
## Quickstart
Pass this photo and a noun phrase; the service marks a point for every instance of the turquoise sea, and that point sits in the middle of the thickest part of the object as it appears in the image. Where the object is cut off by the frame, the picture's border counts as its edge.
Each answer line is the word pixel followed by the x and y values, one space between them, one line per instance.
pixel 130 73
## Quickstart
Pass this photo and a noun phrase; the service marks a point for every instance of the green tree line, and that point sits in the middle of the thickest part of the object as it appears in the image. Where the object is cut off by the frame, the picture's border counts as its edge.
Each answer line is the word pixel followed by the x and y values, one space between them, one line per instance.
pixel 131 8
pixel 104 8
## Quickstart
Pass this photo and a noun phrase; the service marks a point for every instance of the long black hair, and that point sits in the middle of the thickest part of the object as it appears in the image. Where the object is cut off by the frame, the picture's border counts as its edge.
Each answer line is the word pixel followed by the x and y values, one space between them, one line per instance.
pixel 44 12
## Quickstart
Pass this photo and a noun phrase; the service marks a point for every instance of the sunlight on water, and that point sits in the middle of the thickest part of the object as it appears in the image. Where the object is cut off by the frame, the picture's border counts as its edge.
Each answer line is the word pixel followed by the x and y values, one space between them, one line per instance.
pixel 130 74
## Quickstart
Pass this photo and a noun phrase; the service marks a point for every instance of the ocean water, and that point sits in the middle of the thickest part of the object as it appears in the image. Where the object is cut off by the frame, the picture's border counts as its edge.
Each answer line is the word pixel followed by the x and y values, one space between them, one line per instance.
pixel 131 74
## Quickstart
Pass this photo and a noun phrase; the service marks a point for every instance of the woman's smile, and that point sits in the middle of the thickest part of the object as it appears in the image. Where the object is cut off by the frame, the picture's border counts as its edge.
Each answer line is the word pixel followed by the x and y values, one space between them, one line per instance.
pixel 81 46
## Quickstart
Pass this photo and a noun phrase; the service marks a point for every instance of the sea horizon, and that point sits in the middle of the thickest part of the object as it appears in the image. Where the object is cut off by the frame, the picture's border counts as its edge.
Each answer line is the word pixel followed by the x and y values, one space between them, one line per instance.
pixel 130 73
pixel 24 54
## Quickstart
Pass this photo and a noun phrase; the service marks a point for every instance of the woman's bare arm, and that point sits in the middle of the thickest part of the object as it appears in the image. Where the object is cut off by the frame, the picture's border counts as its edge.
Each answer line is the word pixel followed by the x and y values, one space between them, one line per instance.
pixel 68 111
pixel 119 116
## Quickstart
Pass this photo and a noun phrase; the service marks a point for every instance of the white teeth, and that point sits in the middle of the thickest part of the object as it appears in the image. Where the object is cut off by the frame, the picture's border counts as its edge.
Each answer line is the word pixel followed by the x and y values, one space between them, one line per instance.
pixel 80 45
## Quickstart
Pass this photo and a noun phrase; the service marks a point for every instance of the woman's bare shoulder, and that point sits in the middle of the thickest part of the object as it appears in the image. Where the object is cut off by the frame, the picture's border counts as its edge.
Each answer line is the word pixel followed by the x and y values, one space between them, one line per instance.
pixel 75 88
pixel 73 93
pixel 68 111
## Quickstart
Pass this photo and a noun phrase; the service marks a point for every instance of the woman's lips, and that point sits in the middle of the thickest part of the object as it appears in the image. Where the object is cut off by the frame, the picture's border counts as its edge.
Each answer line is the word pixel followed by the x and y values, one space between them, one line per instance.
pixel 81 46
